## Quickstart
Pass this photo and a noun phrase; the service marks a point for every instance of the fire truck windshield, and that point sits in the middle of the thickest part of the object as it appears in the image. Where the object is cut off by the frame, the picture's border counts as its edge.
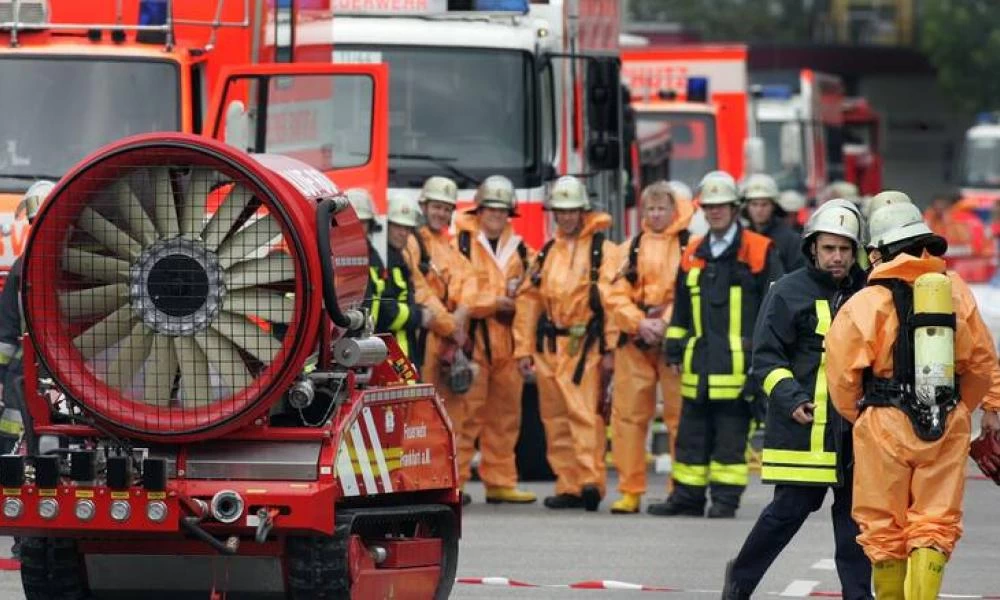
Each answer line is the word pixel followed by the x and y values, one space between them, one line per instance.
pixel 59 109
pixel 982 163
pixel 457 111
pixel 693 143
pixel 787 167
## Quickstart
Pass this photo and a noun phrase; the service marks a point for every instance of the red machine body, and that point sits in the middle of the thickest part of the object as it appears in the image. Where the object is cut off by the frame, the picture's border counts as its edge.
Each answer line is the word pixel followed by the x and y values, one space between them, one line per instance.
pixel 862 146
pixel 190 391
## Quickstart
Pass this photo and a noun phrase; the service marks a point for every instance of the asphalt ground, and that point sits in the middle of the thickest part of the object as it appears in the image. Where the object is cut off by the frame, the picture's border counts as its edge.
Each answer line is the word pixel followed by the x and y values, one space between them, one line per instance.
pixel 533 545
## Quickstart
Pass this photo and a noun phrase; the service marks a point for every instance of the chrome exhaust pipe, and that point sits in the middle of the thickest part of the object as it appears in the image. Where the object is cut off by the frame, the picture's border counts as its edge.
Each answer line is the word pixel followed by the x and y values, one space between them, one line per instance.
pixel 227 506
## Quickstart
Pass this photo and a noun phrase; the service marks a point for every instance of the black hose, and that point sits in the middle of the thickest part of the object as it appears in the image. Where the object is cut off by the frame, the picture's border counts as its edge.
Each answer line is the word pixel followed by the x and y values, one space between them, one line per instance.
pixel 324 214
pixel 191 525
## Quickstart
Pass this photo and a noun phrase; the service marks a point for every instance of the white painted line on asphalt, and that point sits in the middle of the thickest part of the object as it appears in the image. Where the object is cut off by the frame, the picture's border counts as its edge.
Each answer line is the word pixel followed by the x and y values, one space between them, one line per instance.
pixel 826 564
pixel 800 588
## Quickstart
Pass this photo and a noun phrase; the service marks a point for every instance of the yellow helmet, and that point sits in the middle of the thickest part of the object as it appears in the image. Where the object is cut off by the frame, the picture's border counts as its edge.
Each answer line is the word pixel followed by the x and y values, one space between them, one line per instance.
pixel 496 191
pixel 33 199
pixel 569 193
pixel 440 189
pixel 403 210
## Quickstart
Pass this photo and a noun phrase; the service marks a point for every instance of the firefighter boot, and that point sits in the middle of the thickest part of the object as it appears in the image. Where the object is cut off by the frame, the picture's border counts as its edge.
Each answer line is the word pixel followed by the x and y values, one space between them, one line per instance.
pixel 626 505
pixel 591 495
pixel 672 508
pixel 560 501
pixel 510 495
pixel 731 591
pixel 888 577
pixel 926 570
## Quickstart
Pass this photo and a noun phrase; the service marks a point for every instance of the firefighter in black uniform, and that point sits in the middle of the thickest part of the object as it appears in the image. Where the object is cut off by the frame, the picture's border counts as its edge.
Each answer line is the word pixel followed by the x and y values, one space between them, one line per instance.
pixel 397 311
pixel 807 445
pixel 11 424
pixel 363 206
pixel 720 284
pixel 767 217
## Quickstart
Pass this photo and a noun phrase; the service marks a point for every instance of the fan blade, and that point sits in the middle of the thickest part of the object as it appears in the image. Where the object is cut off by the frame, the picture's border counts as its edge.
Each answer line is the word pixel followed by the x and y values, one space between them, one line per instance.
pixel 159 371
pixel 164 204
pixel 140 227
pixel 248 336
pixel 131 355
pixel 94 301
pixel 276 267
pixel 108 234
pixel 250 239
pixel 272 306
pixel 225 217
pixel 196 387
pixel 193 212
pixel 94 266
pixel 226 357
pixel 105 333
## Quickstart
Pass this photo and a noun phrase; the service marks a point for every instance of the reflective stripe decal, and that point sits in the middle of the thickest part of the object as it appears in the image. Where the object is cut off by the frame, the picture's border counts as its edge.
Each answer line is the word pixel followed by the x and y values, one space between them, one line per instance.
pixel 379 290
pixel 734 474
pixel 799 457
pixel 361 452
pixel 376 443
pixel 803 474
pixel 696 475
pixel 820 395
pixel 348 482
pixel 404 342
pixel 401 317
pixel 695 291
pixel 775 377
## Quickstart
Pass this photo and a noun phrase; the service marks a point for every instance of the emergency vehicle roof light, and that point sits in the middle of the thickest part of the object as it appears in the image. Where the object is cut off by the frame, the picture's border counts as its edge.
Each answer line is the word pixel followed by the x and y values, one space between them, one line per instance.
pixel 518 6
pixel 776 91
pixel 153 12
pixel 697 89
pixel 987 118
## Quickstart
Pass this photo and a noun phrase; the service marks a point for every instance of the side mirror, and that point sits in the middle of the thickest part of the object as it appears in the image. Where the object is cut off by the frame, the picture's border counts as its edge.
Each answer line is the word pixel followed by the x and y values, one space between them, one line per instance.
pixel 604 155
pixel 791 145
pixel 603 96
pixel 754 155
pixel 237 126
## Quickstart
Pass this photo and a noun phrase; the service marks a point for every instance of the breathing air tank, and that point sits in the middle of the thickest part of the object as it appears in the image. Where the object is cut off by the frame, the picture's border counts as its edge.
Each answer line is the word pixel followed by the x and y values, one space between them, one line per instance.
pixel 933 342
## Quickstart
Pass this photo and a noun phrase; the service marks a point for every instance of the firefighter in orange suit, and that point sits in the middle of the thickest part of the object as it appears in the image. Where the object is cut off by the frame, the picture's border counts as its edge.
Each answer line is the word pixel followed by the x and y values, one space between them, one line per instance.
pixel 910 452
pixel 720 285
pixel 499 262
pixel 559 334
pixel 640 305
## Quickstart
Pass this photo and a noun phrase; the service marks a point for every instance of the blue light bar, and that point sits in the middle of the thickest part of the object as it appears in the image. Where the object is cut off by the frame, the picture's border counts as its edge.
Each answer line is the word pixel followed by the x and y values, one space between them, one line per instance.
pixel 987 118
pixel 518 6
pixel 152 12
pixel 697 89
pixel 776 91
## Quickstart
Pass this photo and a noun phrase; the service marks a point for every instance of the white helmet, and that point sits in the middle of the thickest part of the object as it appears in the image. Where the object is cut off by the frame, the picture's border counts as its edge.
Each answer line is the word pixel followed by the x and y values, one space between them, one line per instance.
pixel 569 193
pixel 439 189
pixel 496 191
pixel 681 190
pixel 33 199
pixel 719 190
pixel 760 186
pixel 403 210
pixel 843 189
pixel 886 198
pixel 361 200
pixel 838 217
pixel 716 175
pixel 897 226
pixel 791 201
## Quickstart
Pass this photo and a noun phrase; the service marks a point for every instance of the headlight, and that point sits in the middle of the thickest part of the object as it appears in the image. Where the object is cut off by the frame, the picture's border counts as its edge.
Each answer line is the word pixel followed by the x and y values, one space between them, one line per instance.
pixel 48 508
pixel 85 510
pixel 156 511
pixel 12 508
pixel 120 510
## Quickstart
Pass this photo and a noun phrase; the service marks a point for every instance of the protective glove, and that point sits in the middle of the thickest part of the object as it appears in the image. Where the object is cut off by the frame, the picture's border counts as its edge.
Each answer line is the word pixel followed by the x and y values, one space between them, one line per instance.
pixel 985 450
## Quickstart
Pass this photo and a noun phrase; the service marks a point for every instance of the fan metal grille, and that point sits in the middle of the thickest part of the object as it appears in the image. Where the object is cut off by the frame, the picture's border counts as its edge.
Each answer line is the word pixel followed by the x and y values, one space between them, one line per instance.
pixel 168 295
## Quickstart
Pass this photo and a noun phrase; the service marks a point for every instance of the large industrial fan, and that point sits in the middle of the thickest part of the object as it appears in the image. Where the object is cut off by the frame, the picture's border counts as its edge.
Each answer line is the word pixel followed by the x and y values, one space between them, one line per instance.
pixel 174 288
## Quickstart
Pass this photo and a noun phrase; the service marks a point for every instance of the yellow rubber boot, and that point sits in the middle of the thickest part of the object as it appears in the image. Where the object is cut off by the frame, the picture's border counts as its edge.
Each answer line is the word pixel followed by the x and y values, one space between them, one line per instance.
pixel 926 571
pixel 627 504
pixel 888 576
pixel 498 495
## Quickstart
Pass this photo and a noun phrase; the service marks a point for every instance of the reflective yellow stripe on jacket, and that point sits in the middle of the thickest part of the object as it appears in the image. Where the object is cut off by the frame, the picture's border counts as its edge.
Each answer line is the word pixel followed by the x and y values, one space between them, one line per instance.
pixel 815 465
pixel 720 386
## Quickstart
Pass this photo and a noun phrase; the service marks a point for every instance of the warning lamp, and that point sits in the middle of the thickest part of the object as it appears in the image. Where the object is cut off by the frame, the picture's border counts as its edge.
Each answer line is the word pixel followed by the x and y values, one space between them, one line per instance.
pixel 153 13
pixel 519 6
pixel 697 89
pixel 775 92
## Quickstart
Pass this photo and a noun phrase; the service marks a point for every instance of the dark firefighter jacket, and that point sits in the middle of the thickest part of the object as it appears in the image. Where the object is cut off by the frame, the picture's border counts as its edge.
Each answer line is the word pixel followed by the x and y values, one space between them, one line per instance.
pixel 10 321
pixel 716 305
pixel 394 309
pixel 787 242
pixel 790 363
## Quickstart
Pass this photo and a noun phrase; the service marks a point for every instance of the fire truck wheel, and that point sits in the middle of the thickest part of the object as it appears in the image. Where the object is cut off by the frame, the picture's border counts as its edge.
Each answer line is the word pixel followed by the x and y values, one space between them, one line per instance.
pixel 317 566
pixel 52 569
